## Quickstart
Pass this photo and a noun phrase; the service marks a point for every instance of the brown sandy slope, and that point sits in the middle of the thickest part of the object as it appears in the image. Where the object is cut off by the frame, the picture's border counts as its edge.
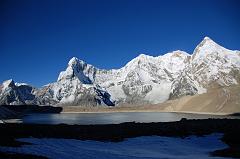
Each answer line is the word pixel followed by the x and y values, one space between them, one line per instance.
pixel 217 100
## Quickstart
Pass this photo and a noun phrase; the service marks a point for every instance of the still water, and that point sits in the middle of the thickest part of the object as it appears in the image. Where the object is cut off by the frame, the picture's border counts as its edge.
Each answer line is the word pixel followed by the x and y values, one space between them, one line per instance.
pixel 113 118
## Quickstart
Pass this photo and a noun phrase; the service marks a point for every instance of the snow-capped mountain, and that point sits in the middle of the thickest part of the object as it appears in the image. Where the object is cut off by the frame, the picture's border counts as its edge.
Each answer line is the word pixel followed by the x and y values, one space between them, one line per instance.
pixel 16 93
pixel 212 62
pixel 145 79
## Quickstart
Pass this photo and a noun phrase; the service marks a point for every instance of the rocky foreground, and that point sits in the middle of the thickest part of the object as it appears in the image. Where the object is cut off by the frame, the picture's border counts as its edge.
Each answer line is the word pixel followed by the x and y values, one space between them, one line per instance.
pixel 118 132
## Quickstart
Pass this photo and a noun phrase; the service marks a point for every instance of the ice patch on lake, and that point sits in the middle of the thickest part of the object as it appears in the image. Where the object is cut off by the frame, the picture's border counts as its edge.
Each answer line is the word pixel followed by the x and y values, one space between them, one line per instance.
pixel 153 147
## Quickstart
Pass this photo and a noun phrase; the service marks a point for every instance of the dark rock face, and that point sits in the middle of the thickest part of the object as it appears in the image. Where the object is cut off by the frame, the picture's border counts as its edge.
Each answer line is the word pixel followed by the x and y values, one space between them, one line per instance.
pixel 182 87
pixel 25 109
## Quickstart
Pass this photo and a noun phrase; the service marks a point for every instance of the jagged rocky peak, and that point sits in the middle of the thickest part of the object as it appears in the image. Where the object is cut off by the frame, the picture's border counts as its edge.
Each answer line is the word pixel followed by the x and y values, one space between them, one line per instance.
pixel 11 93
pixel 76 64
pixel 8 83
pixel 73 62
pixel 11 84
pixel 77 69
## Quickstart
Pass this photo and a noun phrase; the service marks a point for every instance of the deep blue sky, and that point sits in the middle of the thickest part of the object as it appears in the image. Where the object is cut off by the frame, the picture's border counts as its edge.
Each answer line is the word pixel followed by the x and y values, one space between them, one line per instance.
pixel 38 37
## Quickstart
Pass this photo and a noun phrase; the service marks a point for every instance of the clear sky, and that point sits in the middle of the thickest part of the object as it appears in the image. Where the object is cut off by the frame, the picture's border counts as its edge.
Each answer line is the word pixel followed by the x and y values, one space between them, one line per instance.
pixel 38 37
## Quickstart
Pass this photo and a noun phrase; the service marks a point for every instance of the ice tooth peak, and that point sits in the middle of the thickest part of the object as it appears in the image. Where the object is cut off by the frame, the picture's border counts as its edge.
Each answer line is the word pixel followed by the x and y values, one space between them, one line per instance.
pixel 77 69
pixel 73 61
pixel 8 83
pixel 76 63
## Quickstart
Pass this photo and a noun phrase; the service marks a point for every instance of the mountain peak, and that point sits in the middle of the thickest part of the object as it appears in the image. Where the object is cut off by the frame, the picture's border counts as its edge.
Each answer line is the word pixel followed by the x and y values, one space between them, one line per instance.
pixel 207 41
pixel 137 60
pixel 77 68
pixel 145 79
pixel 207 38
pixel 73 61
pixel 8 83
pixel 206 46
pixel 142 56
pixel 179 53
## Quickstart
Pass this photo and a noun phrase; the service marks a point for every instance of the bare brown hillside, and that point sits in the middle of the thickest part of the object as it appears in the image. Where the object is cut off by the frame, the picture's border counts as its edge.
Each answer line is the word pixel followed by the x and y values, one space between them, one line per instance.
pixel 216 100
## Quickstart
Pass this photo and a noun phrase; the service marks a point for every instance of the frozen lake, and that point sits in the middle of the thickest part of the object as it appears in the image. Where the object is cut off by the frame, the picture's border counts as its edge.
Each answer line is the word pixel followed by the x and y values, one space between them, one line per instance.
pixel 113 118
pixel 153 147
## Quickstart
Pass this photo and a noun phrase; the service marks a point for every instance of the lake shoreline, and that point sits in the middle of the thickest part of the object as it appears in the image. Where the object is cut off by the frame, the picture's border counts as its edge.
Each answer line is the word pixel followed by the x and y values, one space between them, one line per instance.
pixel 108 117
pixel 76 109
pixel 230 128
pixel 146 111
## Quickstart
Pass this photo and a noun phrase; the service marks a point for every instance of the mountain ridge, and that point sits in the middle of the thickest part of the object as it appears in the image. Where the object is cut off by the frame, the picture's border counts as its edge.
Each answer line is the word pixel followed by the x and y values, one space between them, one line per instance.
pixel 144 79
